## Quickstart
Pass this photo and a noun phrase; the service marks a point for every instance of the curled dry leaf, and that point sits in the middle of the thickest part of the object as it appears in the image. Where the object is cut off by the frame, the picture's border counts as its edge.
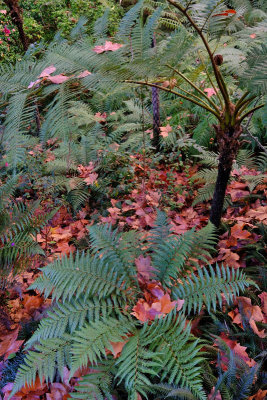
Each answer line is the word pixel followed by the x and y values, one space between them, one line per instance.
pixel 57 79
pixel 47 71
pixel 144 267
pixel 91 178
pixel 84 74
pixel 156 303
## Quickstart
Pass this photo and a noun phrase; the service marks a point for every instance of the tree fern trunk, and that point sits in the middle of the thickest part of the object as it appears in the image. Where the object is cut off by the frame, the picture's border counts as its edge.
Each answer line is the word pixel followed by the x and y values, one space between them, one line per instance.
pixel 156 119
pixel 156 113
pixel 228 148
pixel 16 16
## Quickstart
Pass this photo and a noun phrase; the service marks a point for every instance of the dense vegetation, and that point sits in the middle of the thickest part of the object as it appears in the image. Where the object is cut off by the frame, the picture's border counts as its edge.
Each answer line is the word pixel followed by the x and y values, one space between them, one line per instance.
pixel 132 199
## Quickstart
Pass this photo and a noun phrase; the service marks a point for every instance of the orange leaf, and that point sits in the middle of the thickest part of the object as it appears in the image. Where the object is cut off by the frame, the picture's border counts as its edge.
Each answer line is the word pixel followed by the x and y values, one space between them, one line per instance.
pixel 31 303
pixel 225 13
pixel 238 232
pixel 166 304
pixel 91 179
pixel 9 343
pixel 210 91
pixel 117 348
pixel 165 130
pixel 252 313
pixel 239 350
pixel 260 214
pixel 263 297
pixel 260 395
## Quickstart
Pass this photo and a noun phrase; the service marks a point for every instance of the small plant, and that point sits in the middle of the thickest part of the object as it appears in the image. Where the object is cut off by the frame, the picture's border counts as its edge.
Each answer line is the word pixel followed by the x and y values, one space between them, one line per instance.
pixel 119 294
pixel 18 228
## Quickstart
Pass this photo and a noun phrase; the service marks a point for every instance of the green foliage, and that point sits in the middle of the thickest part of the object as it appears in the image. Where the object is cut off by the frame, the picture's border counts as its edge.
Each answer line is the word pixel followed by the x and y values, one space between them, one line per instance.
pixel 94 296
pixel 18 228
pixel 237 380
pixel 208 176
pixel 43 19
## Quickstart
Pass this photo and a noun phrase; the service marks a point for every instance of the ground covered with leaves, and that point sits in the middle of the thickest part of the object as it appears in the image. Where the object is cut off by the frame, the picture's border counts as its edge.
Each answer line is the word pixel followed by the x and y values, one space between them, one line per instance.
pixel 133 204
pixel 171 188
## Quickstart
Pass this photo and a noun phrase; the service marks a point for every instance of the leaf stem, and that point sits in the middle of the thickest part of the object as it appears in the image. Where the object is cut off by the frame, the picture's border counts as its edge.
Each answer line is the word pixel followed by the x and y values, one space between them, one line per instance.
pixel 195 87
pixel 217 73
pixel 251 111
pixel 177 94
pixel 211 82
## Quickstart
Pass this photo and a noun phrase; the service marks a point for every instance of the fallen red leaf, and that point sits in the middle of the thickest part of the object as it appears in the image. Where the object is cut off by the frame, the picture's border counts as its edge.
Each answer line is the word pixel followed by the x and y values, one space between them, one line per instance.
pixel 9 343
pixel 108 46
pixel 144 267
pixel 239 351
pixel 252 313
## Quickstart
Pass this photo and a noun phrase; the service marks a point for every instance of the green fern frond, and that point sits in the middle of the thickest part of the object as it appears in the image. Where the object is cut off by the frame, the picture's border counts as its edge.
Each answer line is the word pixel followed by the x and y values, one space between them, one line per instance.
pixel 206 240
pixel 80 274
pixel 101 25
pixel 173 391
pixel 181 357
pixel 70 316
pixel 204 194
pixel 207 287
pixel 137 362
pixel 50 356
pixel 90 343
pixel 106 244
pixel 96 385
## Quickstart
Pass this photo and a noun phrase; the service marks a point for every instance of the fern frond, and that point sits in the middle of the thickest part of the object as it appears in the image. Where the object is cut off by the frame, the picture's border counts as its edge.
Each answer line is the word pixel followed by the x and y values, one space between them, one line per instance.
pixel 96 385
pixel 80 274
pixel 50 356
pixel 70 316
pixel 137 362
pixel 180 354
pixel 105 244
pixel 207 287
pixel 90 343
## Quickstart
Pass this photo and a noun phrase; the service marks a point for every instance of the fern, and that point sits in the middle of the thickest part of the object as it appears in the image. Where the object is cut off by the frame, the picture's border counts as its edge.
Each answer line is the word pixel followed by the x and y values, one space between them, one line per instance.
pixel 90 343
pixel 94 295
pixel 18 227
pixel 226 280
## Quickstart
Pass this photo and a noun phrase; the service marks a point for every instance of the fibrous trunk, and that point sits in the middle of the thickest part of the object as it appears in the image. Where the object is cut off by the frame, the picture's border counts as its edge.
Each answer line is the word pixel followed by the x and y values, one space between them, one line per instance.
pixel 228 148
pixel 156 119
pixel 156 112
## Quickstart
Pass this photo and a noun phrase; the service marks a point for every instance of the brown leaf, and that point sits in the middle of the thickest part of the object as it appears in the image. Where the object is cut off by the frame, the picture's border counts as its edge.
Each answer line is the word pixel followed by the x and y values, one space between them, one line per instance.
pixel 252 313
pixel 9 343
